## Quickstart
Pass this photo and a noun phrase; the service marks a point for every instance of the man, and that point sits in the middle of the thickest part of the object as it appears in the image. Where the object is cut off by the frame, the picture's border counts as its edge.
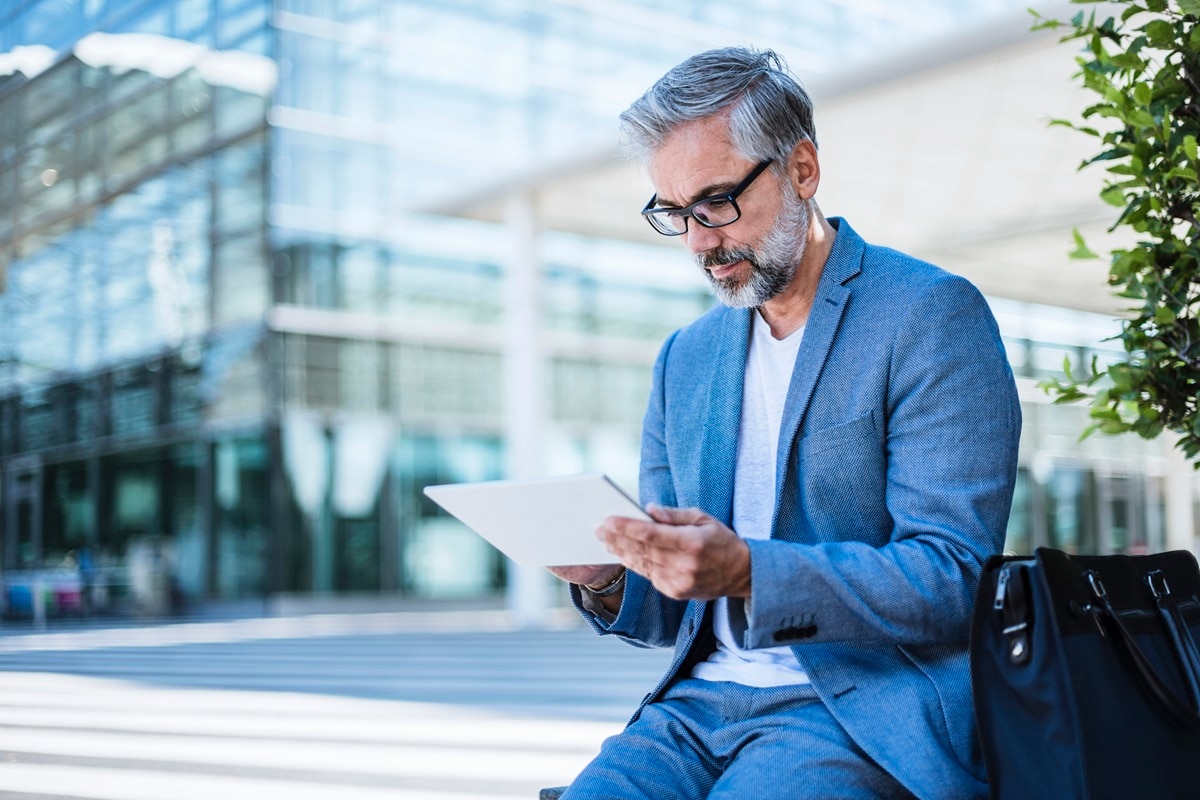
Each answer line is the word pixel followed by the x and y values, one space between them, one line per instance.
pixel 828 457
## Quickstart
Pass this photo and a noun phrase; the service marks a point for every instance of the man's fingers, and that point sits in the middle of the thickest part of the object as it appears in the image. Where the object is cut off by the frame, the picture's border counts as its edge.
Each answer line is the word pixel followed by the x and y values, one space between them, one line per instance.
pixel 639 536
pixel 654 550
pixel 676 516
pixel 674 550
pixel 636 543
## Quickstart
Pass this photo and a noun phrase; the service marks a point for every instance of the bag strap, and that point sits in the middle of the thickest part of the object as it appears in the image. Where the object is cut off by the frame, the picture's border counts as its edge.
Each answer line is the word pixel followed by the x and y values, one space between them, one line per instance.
pixel 1185 712
pixel 1181 635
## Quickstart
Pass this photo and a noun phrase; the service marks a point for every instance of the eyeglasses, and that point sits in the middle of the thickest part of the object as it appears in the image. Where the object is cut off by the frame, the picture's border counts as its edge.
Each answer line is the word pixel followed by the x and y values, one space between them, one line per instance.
pixel 711 212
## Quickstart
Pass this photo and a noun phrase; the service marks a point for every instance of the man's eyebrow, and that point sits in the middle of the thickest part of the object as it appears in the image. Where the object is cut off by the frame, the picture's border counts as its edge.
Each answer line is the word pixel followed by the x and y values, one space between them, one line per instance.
pixel 725 187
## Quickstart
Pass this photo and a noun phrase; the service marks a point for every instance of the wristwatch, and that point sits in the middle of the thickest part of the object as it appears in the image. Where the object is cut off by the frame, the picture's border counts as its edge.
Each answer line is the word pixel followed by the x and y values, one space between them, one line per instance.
pixel 610 588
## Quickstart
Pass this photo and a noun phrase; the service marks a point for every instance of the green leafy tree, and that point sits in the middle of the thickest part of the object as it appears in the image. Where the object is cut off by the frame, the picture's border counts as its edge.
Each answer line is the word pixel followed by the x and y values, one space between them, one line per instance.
pixel 1142 60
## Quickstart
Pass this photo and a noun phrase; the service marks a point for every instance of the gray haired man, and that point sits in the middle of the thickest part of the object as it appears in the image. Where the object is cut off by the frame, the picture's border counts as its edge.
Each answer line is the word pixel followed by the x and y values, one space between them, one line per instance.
pixel 828 457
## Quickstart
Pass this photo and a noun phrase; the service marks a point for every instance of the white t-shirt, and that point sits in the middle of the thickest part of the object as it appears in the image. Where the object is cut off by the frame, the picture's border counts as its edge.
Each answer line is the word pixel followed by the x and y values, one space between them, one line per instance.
pixel 769 367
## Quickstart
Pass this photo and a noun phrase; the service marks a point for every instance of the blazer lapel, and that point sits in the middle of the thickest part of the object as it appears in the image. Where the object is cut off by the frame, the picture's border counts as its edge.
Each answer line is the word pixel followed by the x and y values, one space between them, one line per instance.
pixel 833 295
pixel 718 450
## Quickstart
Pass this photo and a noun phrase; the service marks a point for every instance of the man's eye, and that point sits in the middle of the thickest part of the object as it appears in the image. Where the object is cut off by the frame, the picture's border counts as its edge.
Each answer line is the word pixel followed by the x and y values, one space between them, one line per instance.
pixel 717 204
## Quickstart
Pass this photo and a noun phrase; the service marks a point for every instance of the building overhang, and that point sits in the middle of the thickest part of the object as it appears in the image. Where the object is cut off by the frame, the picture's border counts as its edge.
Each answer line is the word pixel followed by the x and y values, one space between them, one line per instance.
pixel 946 154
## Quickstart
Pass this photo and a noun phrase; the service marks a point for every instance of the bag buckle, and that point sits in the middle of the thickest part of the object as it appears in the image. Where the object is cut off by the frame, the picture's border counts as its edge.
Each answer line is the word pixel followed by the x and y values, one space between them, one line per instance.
pixel 1093 579
pixel 1010 601
pixel 1018 650
pixel 1018 646
pixel 1157 582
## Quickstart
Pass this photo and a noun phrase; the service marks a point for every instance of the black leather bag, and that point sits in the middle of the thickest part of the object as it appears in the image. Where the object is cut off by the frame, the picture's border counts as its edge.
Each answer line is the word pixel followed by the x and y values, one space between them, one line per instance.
pixel 1086 676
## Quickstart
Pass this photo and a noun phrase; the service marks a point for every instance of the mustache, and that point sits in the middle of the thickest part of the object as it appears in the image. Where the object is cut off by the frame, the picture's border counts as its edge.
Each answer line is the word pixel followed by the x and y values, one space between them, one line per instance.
pixel 720 256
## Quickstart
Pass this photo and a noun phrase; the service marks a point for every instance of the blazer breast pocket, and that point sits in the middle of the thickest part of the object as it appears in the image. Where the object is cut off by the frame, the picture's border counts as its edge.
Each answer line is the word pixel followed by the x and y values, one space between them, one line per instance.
pixel 835 436
pixel 841 482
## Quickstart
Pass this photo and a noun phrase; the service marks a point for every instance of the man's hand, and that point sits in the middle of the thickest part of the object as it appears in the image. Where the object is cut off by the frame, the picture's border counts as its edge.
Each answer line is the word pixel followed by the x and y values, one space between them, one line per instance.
pixel 684 552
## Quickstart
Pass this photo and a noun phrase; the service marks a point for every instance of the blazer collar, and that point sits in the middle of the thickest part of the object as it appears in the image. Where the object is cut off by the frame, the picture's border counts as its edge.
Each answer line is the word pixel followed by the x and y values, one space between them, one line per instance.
pixel 829 305
pixel 720 435
pixel 719 444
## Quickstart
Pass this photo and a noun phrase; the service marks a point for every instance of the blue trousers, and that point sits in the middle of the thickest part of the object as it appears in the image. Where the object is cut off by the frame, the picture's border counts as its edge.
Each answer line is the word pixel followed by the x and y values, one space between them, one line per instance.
pixel 707 739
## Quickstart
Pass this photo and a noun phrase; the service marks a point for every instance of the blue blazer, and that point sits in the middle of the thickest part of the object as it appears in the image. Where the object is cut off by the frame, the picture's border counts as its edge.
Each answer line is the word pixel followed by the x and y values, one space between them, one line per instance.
pixel 896 463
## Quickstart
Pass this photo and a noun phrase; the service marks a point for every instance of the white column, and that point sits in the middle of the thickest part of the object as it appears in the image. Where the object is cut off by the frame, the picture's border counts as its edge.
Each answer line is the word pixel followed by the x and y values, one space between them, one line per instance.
pixel 526 406
pixel 1179 499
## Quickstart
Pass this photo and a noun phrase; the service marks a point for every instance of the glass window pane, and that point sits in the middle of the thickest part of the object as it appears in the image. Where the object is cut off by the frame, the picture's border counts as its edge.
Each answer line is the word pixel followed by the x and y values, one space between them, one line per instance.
pixel 241 287
pixel 240 512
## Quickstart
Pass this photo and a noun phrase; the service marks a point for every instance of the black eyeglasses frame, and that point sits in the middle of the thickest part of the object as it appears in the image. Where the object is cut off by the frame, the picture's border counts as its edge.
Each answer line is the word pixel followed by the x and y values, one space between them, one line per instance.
pixel 688 212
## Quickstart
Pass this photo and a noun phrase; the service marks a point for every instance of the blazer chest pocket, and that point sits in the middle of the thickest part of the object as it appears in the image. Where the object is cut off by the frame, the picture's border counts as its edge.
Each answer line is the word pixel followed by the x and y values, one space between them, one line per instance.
pixel 835 436
pixel 842 482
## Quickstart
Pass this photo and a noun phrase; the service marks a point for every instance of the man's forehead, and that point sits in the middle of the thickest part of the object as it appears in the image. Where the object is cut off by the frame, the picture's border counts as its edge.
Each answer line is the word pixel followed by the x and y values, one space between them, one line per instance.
pixel 693 158
pixel 705 138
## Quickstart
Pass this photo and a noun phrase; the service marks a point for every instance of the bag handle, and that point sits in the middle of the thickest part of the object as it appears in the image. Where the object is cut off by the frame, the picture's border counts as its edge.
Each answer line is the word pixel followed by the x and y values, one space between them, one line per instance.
pixel 1185 712
pixel 1181 635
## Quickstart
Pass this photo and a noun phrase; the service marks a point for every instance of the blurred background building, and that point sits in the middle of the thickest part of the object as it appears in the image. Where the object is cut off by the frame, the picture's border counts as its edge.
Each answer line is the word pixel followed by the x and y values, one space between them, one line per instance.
pixel 270 267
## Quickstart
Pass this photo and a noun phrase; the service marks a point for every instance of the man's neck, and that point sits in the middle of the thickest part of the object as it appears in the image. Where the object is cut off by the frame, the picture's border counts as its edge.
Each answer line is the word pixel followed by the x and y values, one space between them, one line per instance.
pixel 786 312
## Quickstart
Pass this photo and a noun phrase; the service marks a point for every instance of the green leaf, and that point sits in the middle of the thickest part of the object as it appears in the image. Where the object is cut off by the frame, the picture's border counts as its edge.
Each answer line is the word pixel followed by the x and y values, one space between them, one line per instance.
pixel 1142 94
pixel 1043 23
pixel 1107 155
pixel 1156 5
pixel 1102 110
pixel 1190 7
pixel 1160 33
pixel 1095 79
pixel 1128 61
pixel 1116 97
pixel 1114 196
pixel 1143 118
pixel 1132 11
pixel 1164 315
pixel 1184 173
pixel 1081 249
pixel 1146 430
pixel 1189 143
pixel 1067 395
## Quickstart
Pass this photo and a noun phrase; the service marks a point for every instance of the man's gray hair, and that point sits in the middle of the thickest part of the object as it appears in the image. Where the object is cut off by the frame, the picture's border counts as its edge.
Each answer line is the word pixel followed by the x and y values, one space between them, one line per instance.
pixel 769 111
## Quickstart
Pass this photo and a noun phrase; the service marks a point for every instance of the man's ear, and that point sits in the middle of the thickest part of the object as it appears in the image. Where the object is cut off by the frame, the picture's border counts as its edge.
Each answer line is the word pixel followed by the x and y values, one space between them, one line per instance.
pixel 804 169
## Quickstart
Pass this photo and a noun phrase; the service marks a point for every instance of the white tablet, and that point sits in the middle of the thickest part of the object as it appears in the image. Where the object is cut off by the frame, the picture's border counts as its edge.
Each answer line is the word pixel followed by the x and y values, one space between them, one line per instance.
pixel 540 523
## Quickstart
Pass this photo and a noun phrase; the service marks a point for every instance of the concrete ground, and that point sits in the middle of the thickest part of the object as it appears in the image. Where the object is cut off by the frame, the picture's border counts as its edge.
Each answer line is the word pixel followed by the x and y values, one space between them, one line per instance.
pixel 353 706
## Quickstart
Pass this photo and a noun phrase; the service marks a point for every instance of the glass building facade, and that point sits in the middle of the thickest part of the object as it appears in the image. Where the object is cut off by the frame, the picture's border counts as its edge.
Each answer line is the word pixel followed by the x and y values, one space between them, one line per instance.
pixel 233 349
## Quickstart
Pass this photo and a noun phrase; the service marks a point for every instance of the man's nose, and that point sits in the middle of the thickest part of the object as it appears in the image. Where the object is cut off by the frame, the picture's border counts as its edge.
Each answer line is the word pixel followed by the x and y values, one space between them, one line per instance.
pixel 701 239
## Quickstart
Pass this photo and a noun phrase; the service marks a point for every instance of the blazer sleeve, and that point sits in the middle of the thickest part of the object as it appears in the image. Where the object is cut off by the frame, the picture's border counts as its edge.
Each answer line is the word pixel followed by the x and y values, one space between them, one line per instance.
pixel 951 430
pixel 647 617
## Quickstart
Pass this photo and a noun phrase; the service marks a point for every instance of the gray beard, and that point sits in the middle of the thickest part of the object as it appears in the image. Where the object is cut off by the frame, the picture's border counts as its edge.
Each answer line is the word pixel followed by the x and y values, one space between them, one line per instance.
pixel 773 262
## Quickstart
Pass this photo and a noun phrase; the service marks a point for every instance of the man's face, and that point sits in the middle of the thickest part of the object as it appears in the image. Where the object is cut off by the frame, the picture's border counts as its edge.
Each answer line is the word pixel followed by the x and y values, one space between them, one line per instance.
pixel 753 259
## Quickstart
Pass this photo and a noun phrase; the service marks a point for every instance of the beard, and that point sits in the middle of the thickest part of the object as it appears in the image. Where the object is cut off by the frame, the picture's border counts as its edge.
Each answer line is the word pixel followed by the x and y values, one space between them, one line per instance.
pixel 773 262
